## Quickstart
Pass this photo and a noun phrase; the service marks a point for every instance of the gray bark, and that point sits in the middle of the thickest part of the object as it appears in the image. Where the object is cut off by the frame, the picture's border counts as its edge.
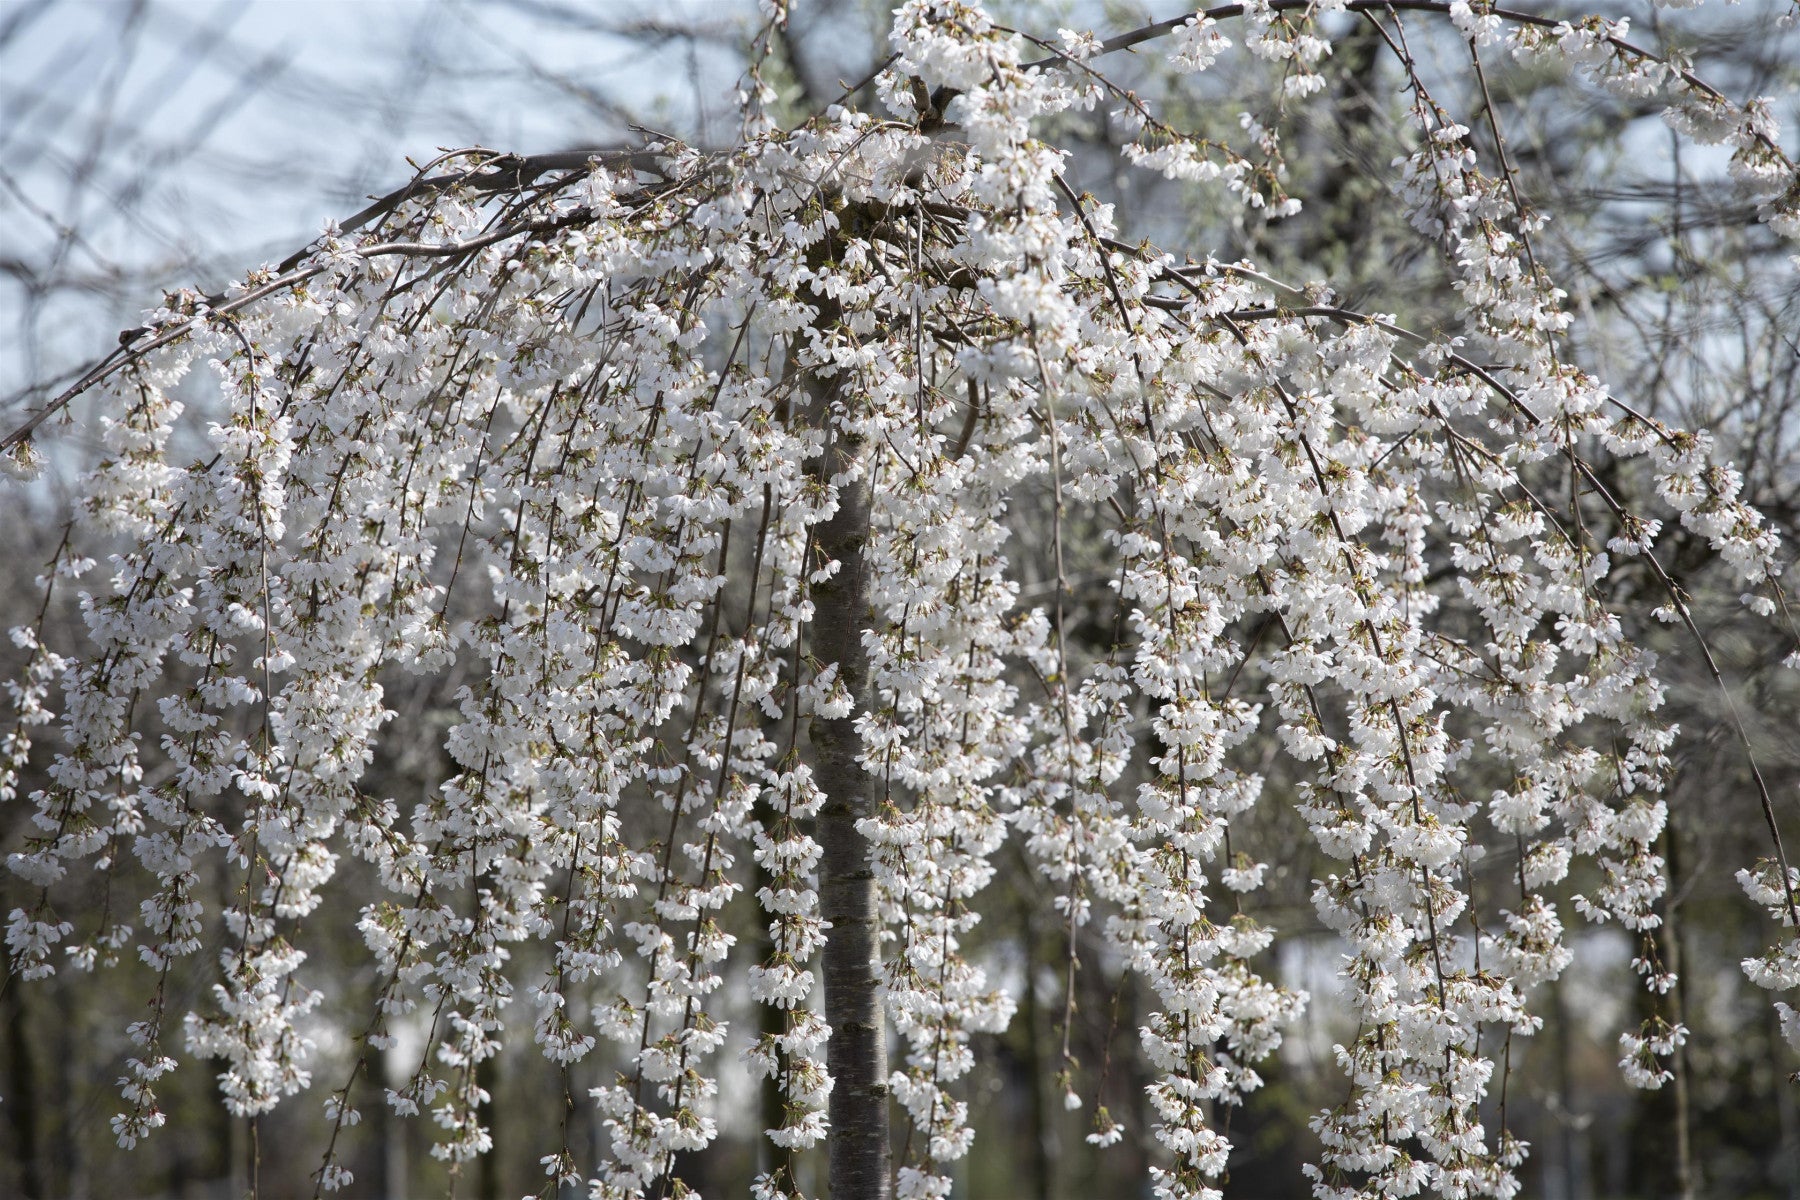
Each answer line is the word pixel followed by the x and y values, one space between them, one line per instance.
pixel 856 1054
pixel 22 1086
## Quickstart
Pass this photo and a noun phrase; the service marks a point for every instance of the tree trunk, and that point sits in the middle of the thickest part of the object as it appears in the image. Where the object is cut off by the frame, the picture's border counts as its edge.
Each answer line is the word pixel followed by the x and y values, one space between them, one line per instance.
pixel 1041 1136
pixel 487 1166
pixel 856 1055
pixel 22 1091
pixel 1685 1181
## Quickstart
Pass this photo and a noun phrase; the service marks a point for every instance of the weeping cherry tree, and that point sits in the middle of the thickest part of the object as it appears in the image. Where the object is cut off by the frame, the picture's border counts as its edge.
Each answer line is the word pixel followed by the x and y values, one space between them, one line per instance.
pixel 700 482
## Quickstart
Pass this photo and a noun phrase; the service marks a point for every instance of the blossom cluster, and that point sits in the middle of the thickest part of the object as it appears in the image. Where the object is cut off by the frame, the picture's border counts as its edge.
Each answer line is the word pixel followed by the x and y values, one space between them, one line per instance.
pixel 569 454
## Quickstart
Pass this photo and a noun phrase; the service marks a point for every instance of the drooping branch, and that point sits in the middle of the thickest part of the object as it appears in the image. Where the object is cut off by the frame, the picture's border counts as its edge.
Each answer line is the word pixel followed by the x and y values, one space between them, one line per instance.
pixel 491 174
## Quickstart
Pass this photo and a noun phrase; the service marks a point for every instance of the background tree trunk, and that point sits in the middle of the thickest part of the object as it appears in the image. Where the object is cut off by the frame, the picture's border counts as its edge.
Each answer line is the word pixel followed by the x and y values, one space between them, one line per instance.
pixel 21 1091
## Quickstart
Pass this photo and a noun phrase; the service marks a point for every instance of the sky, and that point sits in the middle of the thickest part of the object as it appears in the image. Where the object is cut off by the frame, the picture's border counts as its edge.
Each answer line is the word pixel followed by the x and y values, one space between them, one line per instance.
pixel 152 144
pixel 149 144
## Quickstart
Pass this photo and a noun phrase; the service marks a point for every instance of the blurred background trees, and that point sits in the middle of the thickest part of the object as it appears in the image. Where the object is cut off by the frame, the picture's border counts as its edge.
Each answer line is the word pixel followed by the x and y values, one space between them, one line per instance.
pixel 157 144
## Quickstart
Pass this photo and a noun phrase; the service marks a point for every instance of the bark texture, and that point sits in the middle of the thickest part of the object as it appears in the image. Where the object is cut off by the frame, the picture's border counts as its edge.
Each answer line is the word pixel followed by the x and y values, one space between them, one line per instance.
pixel 857 1052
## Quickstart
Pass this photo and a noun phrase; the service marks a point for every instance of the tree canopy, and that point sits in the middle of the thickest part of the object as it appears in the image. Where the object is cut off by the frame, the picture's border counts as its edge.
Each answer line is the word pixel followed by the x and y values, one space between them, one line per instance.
pixel 725 501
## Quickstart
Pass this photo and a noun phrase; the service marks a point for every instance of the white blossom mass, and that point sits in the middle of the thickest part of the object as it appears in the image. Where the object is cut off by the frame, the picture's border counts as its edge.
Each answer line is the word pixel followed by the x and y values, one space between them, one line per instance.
pixel 702 480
